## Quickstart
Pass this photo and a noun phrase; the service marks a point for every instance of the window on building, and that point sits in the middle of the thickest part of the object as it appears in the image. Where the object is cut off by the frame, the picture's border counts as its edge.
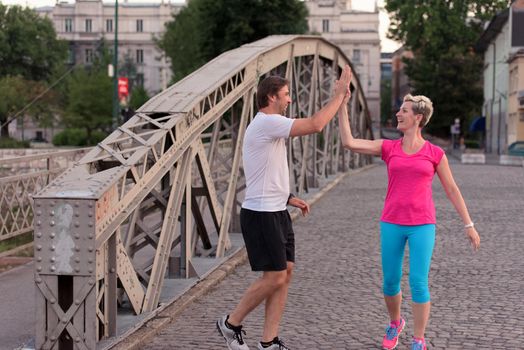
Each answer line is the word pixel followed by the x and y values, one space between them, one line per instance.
pixel 140 79
pixel 139 56
pixel 68 25
pixel 356 56
pixel 89 25
pixel 139 25
pixel 89 56
pixel 109 25
pixel 70 56
pixel 325 25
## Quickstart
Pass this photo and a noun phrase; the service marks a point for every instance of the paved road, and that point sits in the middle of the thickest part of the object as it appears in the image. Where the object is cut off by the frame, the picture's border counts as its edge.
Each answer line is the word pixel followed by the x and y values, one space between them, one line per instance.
pixel 17 307
pixel 335 301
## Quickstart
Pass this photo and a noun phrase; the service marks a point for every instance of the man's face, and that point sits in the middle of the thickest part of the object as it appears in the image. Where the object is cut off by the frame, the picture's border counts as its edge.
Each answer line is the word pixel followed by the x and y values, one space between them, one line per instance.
pixel 283 99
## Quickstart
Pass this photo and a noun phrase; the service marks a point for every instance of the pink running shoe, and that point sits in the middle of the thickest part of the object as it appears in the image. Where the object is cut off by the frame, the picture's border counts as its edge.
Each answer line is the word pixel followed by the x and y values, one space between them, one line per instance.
pixel 418 344
pixel 390 340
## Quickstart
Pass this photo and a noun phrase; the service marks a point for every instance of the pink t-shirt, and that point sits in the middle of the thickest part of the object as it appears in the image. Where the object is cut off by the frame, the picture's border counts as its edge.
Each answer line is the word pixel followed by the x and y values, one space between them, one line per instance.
pixel 409 200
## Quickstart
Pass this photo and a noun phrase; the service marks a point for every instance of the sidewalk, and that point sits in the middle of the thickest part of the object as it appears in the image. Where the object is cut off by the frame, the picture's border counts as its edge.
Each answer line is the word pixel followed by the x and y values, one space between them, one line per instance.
pixel 335 301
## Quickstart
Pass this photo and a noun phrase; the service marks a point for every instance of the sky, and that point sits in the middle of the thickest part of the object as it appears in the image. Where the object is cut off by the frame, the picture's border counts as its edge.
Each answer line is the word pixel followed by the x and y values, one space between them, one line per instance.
pixel 366 5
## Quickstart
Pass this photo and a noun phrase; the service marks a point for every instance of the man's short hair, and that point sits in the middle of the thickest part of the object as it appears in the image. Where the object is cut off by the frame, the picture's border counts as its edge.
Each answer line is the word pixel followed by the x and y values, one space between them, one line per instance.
pixel 269 86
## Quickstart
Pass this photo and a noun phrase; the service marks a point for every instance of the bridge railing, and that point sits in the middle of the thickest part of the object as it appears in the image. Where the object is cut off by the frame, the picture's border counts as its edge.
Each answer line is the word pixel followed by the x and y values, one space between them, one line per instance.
pixel 158 200
pixel 20 178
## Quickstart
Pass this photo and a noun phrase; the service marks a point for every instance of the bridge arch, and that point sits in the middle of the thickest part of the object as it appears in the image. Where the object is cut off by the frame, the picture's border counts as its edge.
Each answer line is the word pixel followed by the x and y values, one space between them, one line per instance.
pixel 159 197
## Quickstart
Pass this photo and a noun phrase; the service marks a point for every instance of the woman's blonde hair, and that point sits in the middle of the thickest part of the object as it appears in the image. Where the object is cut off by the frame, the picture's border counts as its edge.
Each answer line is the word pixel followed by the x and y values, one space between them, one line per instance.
pixel 421 105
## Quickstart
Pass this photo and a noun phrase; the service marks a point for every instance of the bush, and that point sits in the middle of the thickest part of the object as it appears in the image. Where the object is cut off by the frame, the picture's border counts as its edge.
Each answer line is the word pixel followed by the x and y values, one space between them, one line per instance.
pixel 471 144
pixel 77 137
pixel 12 143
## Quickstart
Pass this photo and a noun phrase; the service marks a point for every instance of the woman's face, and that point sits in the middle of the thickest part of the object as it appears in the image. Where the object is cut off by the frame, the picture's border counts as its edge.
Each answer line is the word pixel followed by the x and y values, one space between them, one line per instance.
pixel 406 118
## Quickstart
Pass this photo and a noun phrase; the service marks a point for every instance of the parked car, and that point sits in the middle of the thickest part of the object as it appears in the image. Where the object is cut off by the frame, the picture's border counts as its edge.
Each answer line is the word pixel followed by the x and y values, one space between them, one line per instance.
pixel 516 149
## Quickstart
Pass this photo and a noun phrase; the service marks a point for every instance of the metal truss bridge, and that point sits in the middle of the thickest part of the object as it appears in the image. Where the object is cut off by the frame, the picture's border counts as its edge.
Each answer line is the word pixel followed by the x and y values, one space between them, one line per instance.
pixel 157 201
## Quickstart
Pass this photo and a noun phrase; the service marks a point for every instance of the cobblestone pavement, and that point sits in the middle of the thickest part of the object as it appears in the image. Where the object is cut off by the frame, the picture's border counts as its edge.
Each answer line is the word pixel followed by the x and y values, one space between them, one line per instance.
pixel 335 301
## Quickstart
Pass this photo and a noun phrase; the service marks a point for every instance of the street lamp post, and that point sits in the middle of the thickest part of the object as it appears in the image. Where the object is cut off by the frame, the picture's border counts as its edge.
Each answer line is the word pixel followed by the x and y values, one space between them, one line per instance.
pixel 115 70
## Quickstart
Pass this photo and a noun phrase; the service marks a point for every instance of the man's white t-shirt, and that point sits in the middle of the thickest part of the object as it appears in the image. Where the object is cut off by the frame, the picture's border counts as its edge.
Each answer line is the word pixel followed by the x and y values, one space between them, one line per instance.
pixel 265 162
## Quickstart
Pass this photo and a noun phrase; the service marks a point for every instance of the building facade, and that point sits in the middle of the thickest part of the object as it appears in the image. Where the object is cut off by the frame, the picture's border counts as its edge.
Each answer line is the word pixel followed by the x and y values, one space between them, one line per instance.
pixel 516 97
pixel 85 22
pixel 357 34
pixel 501 43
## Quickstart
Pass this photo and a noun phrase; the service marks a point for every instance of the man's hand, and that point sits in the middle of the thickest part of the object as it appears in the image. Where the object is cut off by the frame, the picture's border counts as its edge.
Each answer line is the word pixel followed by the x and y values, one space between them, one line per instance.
pixel 301 204
pixel 347 97
pixel 342 85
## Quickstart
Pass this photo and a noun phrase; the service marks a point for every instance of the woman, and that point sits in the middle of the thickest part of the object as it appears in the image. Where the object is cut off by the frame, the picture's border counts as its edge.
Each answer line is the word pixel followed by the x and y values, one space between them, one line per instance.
pixel 409 212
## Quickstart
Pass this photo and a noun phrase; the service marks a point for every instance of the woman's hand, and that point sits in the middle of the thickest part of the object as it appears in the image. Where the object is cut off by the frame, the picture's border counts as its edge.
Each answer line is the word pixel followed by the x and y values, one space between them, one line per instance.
pixel 301 204
pixel 347 96
pixel 473 237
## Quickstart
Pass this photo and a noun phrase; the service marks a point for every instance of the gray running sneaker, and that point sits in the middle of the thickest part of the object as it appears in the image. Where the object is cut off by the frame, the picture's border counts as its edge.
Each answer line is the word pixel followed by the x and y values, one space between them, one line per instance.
pixel 277 345
pixel 233 337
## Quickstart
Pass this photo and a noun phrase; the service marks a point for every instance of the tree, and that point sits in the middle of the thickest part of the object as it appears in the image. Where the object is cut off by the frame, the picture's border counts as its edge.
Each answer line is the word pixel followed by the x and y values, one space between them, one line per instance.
pixel 30 54
pixel 88 98
pixel 28 44
pixel 139 96
pixel 206 28
pixel 385 101
pixel 90 101
pixel 445 68
pixel 16 94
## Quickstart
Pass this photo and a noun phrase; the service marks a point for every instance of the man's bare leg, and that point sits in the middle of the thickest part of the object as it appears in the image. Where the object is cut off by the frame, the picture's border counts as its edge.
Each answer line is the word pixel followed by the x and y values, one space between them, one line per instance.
pixel 259 291
pixel 275 305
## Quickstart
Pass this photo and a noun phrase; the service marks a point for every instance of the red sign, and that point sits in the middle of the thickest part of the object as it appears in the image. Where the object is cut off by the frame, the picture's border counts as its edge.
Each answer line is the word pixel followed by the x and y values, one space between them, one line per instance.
pixel 123 87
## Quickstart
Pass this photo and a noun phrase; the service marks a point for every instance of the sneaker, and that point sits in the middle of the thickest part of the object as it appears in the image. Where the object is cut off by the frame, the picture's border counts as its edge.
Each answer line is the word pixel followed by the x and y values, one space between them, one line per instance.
pixel 277 345
pixel 390 340
pixel 233 337
pixel 418 345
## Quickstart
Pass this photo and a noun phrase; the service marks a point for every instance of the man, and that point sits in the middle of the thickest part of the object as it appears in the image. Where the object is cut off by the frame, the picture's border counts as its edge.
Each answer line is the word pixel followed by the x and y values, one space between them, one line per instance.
pixel 265 221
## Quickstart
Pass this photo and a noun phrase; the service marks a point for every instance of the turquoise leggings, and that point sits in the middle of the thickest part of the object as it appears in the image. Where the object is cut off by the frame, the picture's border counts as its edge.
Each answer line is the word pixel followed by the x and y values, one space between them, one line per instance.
pixel 421 239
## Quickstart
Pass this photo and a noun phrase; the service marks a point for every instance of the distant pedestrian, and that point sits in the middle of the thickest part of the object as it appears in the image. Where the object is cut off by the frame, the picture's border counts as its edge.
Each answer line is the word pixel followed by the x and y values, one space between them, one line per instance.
pixel 266 224
pixel 409 212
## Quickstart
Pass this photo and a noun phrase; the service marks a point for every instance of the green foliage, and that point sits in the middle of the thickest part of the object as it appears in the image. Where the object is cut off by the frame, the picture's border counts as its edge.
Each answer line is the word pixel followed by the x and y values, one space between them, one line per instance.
pixel 30 53
pixel 16 93
pixel 7 142
pixel 16 241
pixel 102 55
pixel 445 68
pixel 206 28
pixel 10 100
pixel 385 101
pixel 89 105
pixel 139 96
pixel 471 144
pixel 28 44
pixel 78 137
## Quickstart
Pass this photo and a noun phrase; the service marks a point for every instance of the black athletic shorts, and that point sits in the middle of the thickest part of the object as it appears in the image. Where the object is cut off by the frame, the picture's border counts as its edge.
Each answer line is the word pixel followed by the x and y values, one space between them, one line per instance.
pixel 269 238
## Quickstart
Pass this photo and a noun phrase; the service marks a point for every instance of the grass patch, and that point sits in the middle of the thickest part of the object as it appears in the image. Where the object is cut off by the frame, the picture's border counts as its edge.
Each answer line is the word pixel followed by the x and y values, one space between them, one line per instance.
pixel 18 241
pixel 7 142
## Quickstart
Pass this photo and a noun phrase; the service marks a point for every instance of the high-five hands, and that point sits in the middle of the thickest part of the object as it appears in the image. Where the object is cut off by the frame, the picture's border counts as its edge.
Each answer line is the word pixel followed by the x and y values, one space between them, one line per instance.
pixel 300 204
pixel 342 85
